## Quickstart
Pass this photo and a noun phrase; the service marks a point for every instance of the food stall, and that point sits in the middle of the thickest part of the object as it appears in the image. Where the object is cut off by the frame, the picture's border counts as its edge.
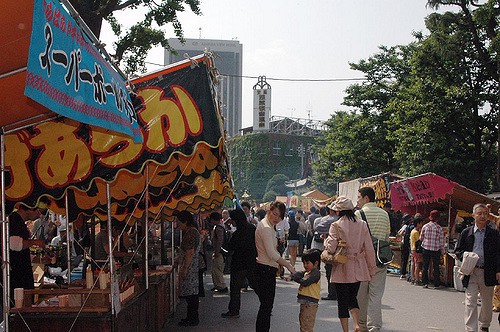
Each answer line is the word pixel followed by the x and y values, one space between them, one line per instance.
pixel 173 158
pixel 426 192
pixel 381 184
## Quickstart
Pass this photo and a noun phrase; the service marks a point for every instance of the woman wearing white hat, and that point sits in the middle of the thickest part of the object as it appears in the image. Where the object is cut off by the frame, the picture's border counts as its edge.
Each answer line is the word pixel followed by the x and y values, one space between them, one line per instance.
pixel 360 265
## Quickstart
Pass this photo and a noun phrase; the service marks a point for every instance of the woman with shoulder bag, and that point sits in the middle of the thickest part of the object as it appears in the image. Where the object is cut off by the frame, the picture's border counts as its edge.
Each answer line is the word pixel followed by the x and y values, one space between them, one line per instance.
pixel 360 265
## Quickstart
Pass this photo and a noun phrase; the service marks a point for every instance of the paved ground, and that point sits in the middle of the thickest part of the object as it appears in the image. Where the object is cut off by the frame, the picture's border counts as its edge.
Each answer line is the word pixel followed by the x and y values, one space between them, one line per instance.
pixel 405 308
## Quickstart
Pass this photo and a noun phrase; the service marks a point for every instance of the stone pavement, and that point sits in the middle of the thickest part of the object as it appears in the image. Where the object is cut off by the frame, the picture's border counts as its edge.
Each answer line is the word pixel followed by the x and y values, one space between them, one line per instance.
pixel 405 308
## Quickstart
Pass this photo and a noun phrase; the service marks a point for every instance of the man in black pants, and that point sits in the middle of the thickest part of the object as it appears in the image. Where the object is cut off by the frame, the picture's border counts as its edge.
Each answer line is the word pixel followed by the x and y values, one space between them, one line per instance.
pixel 242 247
pixel 405 243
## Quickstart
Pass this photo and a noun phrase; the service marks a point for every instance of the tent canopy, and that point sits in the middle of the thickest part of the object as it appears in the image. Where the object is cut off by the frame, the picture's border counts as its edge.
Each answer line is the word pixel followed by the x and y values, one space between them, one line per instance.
pixel 431 188
pixel 182 160
pixel 315 194
pixel 37 68
pixel 15 22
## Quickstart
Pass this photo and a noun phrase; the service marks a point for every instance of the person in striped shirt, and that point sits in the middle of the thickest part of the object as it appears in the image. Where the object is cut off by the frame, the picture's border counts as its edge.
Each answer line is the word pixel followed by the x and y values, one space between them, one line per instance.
pixel 370 292
pixel 432 238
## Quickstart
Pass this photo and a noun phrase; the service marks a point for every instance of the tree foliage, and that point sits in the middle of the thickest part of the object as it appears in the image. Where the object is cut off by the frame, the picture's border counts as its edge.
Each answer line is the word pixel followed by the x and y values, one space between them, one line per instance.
pixel 277 184
pixel 451 131
pixel 430 106
pixel 354 146
pixel 254 160
pixel 133 44
pixel 269 196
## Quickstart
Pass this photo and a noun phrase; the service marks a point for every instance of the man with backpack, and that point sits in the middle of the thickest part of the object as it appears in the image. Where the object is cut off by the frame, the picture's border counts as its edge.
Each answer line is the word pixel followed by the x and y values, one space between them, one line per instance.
pixel 405 232
pixel 218 237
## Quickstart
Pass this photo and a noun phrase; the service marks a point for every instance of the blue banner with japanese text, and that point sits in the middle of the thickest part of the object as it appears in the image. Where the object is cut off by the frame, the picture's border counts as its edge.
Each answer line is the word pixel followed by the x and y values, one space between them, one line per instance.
pixel 67 74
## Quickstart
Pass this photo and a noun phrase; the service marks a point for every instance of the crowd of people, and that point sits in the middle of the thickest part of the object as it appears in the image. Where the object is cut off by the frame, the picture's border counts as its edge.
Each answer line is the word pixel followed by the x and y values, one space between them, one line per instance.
pixel 263 241
pixel 255 247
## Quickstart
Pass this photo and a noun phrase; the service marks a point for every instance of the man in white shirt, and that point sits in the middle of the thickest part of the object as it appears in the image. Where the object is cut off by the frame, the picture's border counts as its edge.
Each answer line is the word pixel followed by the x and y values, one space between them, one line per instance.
pixel 61 239
pixel 246 207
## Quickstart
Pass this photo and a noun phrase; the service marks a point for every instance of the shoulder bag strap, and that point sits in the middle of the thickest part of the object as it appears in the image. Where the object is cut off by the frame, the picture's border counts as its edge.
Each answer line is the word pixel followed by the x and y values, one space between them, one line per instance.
pixel 363 216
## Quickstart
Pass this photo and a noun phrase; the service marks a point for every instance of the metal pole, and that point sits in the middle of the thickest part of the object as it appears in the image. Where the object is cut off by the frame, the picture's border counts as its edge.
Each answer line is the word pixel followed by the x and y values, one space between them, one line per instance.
pixel 162 243
pixel 68 244
pixel 5 242
pixel 173 285
pixel 146 216
pixel 110 239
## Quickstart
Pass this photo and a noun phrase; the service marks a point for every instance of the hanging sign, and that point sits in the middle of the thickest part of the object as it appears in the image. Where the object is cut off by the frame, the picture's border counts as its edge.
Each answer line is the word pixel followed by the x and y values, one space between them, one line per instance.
pixel 422 189
pixel 183 151
pixel 67 74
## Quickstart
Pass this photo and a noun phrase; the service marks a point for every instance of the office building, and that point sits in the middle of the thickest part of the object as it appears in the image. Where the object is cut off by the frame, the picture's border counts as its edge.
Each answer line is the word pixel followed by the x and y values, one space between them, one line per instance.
pixel 228 60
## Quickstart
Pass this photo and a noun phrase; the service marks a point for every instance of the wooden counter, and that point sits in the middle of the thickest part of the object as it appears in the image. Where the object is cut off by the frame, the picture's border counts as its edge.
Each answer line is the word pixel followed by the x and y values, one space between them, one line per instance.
pixel 146 310
pixel 160 300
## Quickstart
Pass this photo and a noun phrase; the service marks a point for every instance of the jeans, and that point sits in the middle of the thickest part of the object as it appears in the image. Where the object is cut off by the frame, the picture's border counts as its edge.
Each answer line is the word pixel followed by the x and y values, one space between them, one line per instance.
pixel 405 254
pixel 435 256
pixel 309 239
pixel 265 287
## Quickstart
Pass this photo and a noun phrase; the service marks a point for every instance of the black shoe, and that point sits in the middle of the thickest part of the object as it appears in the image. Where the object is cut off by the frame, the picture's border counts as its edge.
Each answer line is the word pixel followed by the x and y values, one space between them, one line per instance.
pixel 229 315
pixel 213 289
pixel 329 298
pixel 189 322
pixel 221 290
pixel 484 329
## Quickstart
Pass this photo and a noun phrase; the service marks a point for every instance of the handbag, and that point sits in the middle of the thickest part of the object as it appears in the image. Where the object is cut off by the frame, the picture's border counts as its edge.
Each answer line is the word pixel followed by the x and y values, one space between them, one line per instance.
pixel 418 247
pixel 383 251
pixel 340 254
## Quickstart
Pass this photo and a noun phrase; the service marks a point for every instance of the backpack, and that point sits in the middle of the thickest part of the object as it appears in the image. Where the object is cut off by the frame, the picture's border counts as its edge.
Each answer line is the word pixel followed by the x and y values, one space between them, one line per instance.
pixel 317 237
pixel 225 242
pixel 406 238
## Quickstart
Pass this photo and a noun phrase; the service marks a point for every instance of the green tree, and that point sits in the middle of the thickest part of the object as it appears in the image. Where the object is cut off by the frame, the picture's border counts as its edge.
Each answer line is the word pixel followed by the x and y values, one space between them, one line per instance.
pixel 277 184
pixel 475 31
pixel 355 143
pixel 441 121
pixel 133 44
pixel 269 196
pixel 429 106
pixel 355 146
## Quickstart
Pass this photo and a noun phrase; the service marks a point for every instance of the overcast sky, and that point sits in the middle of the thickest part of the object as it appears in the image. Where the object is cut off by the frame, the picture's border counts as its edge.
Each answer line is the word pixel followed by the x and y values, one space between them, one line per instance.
pixel 306 39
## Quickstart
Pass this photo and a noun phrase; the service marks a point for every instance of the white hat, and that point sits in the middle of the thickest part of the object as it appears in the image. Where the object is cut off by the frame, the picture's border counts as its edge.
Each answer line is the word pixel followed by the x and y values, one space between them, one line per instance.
pixel 342 203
